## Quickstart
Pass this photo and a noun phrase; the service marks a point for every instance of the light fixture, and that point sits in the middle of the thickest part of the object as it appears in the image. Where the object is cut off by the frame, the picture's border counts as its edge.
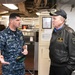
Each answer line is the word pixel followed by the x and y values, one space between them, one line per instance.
pixel 38 13
pixel 11 6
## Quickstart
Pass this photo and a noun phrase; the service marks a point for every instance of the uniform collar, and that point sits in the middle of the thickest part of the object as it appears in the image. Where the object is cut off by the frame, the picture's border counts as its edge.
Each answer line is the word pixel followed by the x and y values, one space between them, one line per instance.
pixel 58 28
pixel 10 31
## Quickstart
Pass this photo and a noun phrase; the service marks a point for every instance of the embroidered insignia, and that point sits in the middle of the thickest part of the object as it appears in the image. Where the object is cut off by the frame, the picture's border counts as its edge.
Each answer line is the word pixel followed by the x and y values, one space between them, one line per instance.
pixel 59 39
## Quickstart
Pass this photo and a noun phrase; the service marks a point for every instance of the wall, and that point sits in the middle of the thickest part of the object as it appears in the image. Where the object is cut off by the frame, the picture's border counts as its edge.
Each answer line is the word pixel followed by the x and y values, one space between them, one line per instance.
pixel 4 20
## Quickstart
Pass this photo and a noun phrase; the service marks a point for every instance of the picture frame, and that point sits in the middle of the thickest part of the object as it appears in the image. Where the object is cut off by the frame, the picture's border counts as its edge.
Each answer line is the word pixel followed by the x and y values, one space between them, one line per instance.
pixel 46 22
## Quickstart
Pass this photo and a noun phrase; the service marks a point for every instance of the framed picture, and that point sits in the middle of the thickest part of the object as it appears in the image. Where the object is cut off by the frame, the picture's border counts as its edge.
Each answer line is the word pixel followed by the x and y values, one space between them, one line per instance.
pixel 46 22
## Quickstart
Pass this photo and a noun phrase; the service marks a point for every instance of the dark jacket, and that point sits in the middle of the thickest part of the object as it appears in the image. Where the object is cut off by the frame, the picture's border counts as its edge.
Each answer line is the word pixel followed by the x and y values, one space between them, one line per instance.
pixel 62 47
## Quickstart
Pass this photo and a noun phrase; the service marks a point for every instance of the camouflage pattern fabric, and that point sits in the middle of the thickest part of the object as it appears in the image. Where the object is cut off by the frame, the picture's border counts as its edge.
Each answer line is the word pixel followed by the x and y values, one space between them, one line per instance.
pixel 11 43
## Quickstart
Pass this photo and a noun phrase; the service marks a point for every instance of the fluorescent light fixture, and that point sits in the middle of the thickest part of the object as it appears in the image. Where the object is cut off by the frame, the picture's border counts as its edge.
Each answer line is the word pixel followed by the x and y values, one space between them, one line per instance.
pixel 38 13
pixel 11 6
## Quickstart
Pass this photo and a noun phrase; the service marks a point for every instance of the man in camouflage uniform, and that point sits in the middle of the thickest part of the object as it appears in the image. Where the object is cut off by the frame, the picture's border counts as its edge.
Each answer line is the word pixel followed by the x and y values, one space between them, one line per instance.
pixel 11 46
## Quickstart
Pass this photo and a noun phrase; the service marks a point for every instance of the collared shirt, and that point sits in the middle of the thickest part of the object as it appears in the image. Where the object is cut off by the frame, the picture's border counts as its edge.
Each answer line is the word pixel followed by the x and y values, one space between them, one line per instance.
pixel 56 29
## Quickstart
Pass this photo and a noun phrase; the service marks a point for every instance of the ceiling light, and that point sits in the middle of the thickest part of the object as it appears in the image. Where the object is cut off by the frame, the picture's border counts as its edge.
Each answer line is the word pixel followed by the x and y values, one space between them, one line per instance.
pixel 11 6
pixel 38 13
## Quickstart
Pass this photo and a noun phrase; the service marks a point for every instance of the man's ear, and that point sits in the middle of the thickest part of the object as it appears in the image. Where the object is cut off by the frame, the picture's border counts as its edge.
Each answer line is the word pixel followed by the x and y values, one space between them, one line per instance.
pixel 11 20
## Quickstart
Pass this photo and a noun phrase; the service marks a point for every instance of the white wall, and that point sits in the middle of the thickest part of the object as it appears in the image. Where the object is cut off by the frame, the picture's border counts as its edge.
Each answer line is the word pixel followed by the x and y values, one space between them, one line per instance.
pixel 4 20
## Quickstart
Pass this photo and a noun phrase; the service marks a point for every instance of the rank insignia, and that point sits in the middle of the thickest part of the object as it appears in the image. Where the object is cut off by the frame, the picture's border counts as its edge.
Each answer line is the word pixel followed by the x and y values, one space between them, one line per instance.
pixel 59 39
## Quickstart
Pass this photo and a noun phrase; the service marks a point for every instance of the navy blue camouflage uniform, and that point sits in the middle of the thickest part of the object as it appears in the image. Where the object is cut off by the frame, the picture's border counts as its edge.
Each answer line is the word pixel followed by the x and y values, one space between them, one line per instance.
pixel 11 44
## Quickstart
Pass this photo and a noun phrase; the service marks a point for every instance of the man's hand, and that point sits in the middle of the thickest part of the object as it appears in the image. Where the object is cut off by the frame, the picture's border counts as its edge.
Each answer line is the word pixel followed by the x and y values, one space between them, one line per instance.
pixel 25 51
pixel 2 60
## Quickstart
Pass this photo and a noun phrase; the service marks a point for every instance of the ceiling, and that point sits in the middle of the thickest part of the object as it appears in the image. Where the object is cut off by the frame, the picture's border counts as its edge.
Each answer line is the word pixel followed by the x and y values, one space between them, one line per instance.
pixel 27 8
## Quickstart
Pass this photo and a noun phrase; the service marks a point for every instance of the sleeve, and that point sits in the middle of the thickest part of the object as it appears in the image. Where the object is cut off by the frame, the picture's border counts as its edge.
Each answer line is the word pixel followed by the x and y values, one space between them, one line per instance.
pixel 2 42
pixel 71 44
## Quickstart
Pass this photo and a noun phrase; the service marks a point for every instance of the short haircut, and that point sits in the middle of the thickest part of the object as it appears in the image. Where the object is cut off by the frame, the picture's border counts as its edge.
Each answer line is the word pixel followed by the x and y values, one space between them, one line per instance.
pixel 14 15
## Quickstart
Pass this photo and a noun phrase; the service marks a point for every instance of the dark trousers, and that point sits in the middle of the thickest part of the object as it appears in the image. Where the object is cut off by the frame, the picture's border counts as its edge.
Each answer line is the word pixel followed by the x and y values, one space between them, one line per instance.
pixel 56 70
